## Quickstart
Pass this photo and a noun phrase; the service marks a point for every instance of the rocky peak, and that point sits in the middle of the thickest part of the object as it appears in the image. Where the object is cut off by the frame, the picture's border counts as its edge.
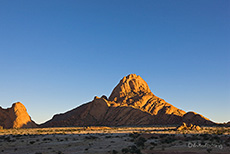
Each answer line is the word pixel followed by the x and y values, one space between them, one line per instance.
pixel 16 117
pixel 18 107
pixel 134 92
pixel 128 87
pixel 130 103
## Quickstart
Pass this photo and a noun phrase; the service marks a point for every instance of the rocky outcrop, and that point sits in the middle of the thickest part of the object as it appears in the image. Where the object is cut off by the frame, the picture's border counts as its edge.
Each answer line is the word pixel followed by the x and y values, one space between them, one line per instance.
pixel 130 103
pixel 15 117
pixel 185 126
pixel 133 91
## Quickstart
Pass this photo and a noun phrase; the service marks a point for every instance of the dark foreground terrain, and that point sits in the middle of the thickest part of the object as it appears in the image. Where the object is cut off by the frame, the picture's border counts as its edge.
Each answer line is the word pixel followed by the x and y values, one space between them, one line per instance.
pixel 113 140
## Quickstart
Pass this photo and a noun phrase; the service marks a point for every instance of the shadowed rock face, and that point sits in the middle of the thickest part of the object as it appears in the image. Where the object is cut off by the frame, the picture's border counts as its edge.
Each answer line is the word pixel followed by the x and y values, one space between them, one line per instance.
pixel 130 103
pixel 15 117
pixel 195 118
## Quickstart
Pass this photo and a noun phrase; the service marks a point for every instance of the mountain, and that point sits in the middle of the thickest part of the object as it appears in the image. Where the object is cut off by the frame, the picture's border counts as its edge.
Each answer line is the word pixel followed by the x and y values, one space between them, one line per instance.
pixel 131 103
pixel 16 117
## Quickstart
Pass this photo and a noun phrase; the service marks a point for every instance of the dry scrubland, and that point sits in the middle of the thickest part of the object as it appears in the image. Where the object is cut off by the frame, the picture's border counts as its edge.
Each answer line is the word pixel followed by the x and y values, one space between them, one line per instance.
pixel 114 140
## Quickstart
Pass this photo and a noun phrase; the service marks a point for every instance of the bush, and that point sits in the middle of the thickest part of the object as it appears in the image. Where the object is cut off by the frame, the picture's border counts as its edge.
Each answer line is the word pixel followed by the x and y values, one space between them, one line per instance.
pixel 131 149
pixel 125 150
pixel 140 142
pixel 134 135
pixel 134 149
pixel 168 140
pixel 91 137
pixel 114 152
pixel 47 139
pixel 153 137
pixel 153 143
pixel 209 150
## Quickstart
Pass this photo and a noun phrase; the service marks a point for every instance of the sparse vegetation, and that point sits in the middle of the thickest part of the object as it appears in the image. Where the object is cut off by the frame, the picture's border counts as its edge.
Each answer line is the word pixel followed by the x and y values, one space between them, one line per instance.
pixel 137 140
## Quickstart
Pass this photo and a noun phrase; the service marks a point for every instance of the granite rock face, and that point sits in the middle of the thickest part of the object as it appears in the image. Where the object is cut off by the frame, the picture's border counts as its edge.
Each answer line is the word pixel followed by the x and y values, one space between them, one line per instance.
pixel 16 117
pixel 131 103
pixel 133 91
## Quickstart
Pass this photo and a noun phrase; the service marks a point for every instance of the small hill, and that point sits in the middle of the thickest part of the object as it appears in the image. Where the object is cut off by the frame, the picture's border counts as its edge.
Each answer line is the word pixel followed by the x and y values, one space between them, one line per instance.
pixel 131 103
pixel 16 117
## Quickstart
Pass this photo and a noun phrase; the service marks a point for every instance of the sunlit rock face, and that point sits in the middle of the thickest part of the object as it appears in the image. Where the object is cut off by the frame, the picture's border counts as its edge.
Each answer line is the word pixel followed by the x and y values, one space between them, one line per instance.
pixel 130 86
pixel 16 117
pixel 134 92
pixel 130 103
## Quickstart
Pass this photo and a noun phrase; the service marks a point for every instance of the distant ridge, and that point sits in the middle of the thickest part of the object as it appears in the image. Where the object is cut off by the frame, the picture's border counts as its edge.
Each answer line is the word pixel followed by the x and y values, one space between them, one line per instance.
pixel 131 103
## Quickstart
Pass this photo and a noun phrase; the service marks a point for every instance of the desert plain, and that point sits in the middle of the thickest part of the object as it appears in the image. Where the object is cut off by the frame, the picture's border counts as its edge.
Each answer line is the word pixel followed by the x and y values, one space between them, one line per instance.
pixel 114 140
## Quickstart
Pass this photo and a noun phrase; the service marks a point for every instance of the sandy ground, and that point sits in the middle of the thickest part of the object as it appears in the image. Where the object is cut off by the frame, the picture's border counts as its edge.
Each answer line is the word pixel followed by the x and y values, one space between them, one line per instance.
pixel 112 140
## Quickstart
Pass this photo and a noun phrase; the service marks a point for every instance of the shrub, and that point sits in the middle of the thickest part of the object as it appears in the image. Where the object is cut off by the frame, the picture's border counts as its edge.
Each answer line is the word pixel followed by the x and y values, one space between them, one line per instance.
pixel 134 135
pixel 134 149
pixel 209 150
pixel 114 152
pixel 168 140
pixel 131 149
pixel 153 137
pixel 108 136
pixel 91 137
pixel 140 142
pixel 47 139
pixel 153 143
pixel 125 150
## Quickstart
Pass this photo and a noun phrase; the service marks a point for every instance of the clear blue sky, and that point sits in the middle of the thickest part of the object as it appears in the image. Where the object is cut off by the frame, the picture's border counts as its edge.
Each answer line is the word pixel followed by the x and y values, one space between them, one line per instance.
pixel 56 55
